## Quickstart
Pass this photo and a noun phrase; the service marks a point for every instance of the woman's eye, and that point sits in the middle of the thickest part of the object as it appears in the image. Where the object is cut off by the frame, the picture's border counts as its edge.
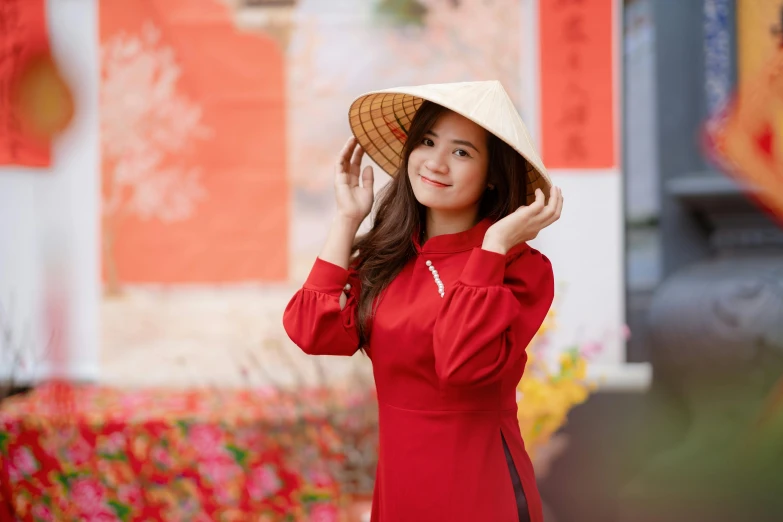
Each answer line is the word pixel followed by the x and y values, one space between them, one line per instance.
pixel 462 153
pixel 428 142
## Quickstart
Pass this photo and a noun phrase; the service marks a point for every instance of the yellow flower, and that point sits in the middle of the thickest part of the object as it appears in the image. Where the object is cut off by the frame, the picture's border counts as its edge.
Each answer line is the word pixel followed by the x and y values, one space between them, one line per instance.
pixel 546 394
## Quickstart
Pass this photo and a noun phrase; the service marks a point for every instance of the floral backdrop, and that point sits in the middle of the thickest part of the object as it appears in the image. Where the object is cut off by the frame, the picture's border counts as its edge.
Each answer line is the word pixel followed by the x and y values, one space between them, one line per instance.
pixel 99 454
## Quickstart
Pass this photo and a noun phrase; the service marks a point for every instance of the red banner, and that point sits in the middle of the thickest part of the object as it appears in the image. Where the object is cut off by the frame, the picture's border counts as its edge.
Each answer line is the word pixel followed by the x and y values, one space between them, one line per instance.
pixel 577 39
pixel 23 40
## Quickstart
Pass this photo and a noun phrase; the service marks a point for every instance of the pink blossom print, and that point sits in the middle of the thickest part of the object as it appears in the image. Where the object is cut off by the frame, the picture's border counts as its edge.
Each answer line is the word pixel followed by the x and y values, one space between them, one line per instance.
pixel 87 495
pixel 323 513
pixel 206 440
pixel 263 482
pixel 131 495
pixel 78 452
pixel 219 469
pixel 319 478
pixel 114 443
pixel 23 464
pixel 161 456
pixel 43 513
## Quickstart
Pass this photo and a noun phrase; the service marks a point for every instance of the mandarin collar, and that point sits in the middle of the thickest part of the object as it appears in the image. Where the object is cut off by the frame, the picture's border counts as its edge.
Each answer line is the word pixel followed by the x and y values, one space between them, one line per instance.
pixel 457 242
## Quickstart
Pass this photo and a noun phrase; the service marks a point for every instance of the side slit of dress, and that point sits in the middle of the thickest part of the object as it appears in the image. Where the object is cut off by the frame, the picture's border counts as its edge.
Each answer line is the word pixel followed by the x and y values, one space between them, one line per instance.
pixel 519 492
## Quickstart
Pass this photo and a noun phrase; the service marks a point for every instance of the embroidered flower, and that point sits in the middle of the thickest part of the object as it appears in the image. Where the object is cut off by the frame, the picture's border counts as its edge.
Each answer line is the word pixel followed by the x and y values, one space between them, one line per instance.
pixel 23 464
pixel 263 482
pixel 206 439
pixel 322 512
pixel 87 495
pixel 43 513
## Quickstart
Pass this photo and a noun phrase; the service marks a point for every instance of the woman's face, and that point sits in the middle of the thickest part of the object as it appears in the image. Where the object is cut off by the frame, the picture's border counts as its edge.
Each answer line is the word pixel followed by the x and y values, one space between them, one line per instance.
pixel 448 169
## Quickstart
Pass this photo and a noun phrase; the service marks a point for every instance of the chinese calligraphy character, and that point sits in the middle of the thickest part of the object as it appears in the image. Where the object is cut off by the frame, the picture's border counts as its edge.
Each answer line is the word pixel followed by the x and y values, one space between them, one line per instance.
pixel 574 61
pixel 575 114
pixel 574 148
pixel 573 29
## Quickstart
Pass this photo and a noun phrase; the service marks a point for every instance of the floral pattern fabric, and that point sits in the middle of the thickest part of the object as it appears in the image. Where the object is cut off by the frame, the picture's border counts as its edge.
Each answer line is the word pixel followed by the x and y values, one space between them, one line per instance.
pixel 100 454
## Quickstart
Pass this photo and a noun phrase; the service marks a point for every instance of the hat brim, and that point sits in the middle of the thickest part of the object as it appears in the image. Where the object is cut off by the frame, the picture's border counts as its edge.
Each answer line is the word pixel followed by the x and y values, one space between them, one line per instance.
pixel 380 121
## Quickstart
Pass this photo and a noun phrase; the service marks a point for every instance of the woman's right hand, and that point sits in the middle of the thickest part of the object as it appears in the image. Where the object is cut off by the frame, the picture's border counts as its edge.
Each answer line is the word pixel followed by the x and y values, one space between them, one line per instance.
pixel 354 200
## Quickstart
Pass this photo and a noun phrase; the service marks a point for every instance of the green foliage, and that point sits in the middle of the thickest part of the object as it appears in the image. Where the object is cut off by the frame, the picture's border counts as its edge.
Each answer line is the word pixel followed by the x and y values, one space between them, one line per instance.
pixel 402 12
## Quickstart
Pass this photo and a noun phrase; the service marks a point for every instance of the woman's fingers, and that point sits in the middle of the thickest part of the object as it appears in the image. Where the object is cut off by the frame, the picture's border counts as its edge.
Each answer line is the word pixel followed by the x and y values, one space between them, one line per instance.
pixel 551 206
pixel 540 214
pixel 368 177
pixel 356 159
pixel 554 207
pixel 347 166
pixel 532 210
pixel 345 154
pixel 538 204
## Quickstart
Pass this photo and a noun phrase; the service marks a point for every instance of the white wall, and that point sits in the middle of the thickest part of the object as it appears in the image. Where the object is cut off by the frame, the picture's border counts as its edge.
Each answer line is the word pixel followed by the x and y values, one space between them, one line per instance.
pixel 49 218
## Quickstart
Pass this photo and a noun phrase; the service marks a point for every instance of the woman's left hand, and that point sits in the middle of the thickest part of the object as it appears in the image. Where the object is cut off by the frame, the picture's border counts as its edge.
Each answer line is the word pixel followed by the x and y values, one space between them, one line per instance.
pixel 525 223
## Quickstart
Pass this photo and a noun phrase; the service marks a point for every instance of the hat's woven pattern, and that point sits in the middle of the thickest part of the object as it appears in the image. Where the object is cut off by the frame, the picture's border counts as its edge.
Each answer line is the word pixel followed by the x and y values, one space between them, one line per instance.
pixel 380 121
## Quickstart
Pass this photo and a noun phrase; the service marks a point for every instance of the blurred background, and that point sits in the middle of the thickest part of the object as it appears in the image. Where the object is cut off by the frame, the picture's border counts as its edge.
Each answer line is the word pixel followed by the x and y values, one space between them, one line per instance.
pixel 166 184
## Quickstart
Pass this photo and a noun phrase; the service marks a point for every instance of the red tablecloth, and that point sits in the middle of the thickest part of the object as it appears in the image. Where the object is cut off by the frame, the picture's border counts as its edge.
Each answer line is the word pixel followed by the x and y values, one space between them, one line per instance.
pixel 100 454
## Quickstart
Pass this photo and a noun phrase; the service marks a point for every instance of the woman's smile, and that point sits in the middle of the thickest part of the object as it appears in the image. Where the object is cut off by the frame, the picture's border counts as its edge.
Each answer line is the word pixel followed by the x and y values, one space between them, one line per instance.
pixel 432 182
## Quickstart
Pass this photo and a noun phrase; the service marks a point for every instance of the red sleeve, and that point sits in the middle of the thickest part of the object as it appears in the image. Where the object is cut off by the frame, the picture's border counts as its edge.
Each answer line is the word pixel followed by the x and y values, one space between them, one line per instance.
pixel 313 318
pixel 491 315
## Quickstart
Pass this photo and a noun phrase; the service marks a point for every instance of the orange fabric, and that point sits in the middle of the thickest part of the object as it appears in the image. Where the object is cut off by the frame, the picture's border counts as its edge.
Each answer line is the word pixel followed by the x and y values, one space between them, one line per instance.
pixel 23 39
pixel 577 42
pixel 239 230
pixel 747 138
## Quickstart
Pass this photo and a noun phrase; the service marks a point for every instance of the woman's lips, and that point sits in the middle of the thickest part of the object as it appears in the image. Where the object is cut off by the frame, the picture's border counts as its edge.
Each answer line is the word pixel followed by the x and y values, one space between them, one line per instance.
pixel 433 182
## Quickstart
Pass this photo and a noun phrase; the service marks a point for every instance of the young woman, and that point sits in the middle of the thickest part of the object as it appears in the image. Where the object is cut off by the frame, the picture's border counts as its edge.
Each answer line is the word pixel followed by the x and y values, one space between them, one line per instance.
pixel 442 294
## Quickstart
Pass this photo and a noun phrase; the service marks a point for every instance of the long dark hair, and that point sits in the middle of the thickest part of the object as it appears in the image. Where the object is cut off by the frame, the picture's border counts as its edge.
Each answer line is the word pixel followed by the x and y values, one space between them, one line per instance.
pixel 383 252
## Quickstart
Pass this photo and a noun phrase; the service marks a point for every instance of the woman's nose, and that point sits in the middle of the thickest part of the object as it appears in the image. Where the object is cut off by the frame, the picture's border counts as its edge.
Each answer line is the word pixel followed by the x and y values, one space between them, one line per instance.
pixel 437 165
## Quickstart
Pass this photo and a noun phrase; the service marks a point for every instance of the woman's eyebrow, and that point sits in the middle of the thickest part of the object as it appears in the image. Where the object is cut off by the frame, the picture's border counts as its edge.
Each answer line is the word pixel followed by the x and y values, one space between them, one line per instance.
pixel 457 142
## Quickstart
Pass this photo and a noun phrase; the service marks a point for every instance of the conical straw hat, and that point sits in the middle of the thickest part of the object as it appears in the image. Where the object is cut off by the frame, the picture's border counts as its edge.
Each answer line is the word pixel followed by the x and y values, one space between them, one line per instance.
pixel 380 121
